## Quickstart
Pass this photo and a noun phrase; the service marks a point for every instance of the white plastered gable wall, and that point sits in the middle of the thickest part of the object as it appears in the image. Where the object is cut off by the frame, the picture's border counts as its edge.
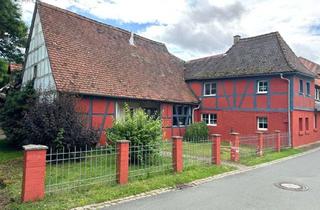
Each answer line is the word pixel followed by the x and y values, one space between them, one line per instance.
pixel 38 56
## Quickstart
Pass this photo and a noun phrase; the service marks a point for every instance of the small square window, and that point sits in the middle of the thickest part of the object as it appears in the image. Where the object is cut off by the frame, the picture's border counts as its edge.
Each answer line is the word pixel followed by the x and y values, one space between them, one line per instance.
pixel 262 87
pixel 210 89
pixel 209 119
pixel 262 123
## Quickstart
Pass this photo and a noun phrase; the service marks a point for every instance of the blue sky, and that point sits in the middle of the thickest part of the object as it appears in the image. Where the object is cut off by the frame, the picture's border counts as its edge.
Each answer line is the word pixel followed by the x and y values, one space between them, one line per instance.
pixel 130 26
pixel 196 28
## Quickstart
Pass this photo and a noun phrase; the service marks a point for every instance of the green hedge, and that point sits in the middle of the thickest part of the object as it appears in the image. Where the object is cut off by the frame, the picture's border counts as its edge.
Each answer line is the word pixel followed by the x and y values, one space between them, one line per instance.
pixel 196 132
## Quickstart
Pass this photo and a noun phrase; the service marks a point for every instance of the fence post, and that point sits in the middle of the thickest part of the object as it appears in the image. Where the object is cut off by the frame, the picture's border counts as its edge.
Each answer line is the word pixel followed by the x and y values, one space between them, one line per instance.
pixel 177 154
pixel 235 143
pixel 278 141
pixel 122 161
pixel 216 141
pixel 260 144
pixel 34 172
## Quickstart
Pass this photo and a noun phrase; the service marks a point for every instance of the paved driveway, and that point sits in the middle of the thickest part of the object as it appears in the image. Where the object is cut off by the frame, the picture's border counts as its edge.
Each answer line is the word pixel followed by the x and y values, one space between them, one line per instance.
pixel 250 190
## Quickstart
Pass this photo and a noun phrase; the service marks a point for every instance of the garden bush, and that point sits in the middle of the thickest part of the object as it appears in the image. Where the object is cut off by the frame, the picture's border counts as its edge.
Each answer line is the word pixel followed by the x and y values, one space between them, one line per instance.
pixel 54 121
pixel 144 133
pixel 196 132
pixel 16 104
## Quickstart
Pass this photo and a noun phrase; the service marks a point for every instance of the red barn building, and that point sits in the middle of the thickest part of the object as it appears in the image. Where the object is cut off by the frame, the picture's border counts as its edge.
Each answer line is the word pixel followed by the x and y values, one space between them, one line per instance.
pixel 258 84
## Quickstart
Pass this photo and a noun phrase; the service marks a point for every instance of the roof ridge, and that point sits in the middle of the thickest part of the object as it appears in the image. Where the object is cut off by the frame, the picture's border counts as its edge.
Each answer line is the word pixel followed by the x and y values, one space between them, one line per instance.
pixel 259 36
pixel 97 22
pixel 282 42
pixel 206 57
pixel 278 36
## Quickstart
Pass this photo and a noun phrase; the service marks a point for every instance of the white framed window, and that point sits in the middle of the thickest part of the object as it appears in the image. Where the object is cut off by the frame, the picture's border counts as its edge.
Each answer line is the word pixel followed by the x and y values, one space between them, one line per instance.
pixel 262 123
pixel 210 89
pixel 262 87
pixel 209 119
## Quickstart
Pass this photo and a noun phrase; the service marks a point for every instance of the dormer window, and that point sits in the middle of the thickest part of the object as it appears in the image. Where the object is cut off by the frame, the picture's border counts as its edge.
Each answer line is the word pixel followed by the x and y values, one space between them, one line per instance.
pixel 262 87
pixel 210 89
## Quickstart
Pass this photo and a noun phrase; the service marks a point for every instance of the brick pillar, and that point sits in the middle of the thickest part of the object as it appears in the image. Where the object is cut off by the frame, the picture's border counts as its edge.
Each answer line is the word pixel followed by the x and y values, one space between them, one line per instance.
pixel 123 161
pixel 34 172
pixel 278 141
pixel 177 154
pixel 260 144
pixel 216 140
pixel 235 143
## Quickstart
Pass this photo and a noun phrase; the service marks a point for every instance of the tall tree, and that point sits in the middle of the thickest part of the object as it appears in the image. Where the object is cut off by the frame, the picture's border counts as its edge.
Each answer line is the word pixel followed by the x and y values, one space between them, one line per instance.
pixel 13 31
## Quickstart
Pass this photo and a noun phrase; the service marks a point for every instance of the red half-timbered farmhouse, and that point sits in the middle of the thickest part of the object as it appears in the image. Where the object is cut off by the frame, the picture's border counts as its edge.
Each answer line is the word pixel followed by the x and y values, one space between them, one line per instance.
pixel 259 84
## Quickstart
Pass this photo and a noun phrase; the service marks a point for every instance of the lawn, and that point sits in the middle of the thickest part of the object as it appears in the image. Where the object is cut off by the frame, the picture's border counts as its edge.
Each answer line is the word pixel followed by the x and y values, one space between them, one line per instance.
pixel 7 152
pixel 267 157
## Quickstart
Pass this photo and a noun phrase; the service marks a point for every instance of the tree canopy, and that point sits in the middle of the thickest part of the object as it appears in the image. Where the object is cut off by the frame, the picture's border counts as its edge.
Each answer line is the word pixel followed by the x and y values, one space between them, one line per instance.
pixel 13 31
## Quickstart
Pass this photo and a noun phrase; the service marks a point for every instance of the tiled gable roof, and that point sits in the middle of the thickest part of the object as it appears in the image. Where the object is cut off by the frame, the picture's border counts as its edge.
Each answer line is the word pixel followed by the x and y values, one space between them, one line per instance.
pixel 92 58
pixel 312 66
pixel 260 55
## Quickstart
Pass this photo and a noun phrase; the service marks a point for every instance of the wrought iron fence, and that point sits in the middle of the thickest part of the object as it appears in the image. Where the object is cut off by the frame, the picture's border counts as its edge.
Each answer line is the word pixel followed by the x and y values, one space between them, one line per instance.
pixel 72 168
pixel 197 152
pixel 249 144
pixel 149 160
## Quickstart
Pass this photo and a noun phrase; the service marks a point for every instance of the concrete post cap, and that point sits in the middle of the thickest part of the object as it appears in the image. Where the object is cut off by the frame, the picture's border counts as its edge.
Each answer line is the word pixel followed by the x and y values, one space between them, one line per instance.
pixel 215 135
pixel 177 137
pixel 259 132
pixel 123 141
pixel 34 147
pixel 234 133
pixel 277 131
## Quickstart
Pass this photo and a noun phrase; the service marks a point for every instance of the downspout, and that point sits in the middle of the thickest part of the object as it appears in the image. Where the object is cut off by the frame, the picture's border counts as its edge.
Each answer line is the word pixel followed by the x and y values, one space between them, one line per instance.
pixel 289 109
pixel 194 109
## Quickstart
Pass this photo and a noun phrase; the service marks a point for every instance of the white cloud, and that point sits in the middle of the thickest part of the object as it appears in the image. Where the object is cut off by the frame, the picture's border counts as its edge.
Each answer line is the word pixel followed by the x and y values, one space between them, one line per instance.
pixel 194 28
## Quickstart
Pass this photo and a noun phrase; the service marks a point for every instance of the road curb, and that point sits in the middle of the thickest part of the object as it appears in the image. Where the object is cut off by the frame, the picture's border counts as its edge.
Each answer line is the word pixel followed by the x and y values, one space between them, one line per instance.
pixel 194 183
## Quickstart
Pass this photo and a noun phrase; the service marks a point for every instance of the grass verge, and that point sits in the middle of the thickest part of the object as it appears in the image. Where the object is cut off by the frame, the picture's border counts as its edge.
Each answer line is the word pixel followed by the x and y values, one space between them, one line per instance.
pixel 267 157
pixel 7 152
pixel 101 193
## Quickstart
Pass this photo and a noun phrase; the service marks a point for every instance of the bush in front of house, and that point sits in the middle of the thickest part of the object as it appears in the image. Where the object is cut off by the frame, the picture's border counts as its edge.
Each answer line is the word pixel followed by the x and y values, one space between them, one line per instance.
pixel 17 103
pixel 54 121
pixel 197 131
pixel 144 133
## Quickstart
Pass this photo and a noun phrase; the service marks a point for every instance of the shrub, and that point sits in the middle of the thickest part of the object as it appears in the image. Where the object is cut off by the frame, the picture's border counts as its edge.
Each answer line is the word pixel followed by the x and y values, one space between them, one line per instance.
pixel 196 132
pixel 144 133
pixel 17 103
pixel 53 121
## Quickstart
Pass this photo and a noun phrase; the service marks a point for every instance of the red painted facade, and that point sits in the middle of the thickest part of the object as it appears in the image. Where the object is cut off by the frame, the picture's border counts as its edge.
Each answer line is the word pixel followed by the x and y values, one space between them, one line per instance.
pixel 237 106
pixel 304 117
pixel 99 112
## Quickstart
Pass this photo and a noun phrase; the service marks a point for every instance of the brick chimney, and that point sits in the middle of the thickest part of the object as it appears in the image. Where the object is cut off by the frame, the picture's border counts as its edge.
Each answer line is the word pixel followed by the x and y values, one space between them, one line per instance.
pixel 236 38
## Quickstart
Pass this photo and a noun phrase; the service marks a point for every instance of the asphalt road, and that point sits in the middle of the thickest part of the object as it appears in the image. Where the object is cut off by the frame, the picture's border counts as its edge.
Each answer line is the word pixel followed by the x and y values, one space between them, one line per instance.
pixel 253 189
